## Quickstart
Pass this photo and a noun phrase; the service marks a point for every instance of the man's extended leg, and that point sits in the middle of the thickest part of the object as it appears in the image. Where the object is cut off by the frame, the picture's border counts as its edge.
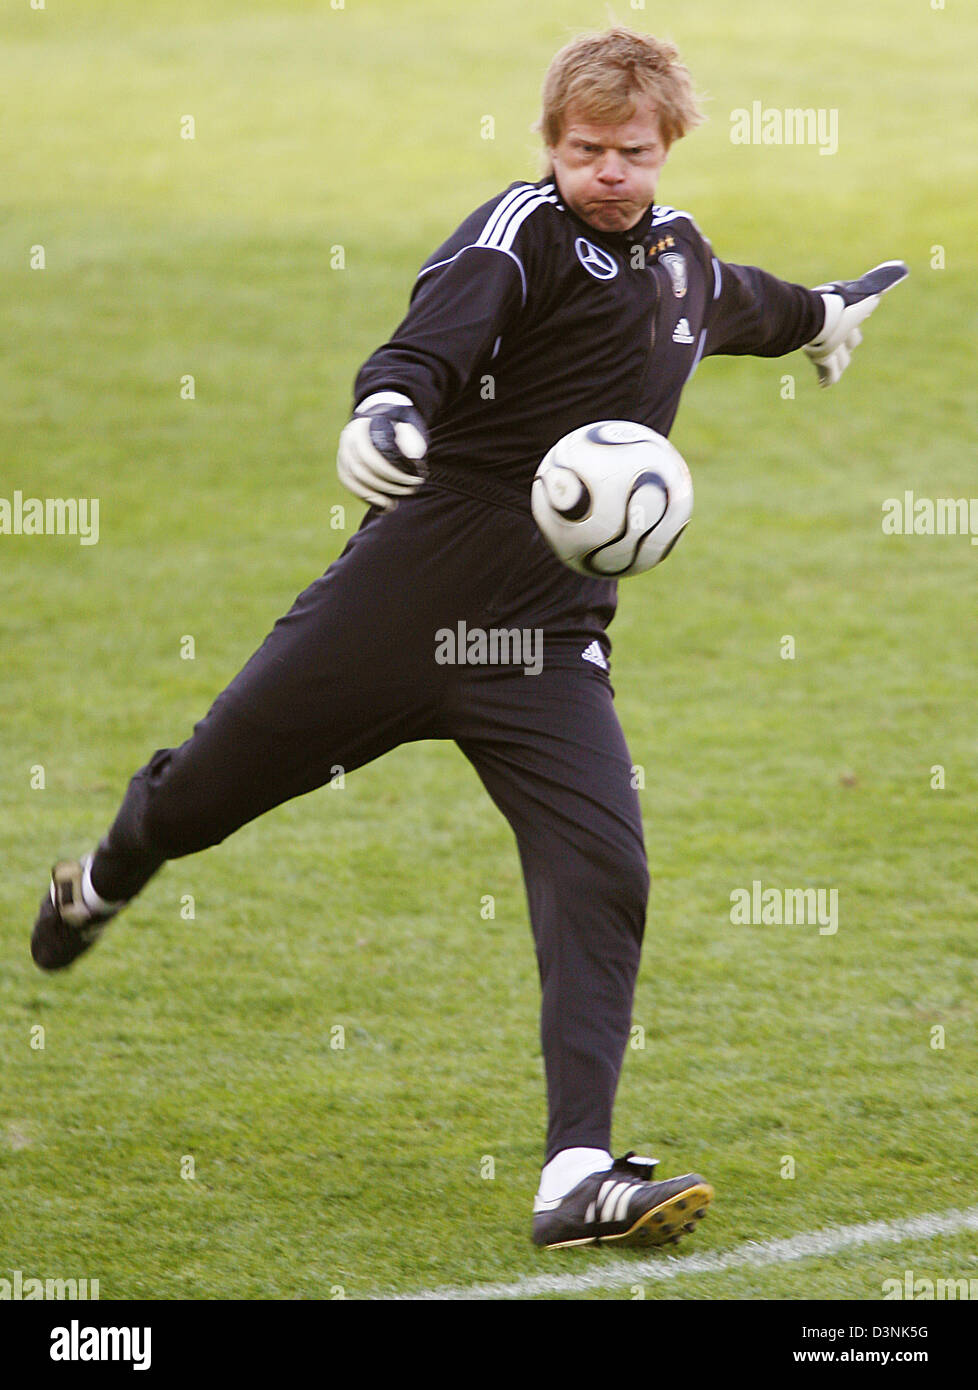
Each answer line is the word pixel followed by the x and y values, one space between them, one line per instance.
pixel 335 684
pixel 186 799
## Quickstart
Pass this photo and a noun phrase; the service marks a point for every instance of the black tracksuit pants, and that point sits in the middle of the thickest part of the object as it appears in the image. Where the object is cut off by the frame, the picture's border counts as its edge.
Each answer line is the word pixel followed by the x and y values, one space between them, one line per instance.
pixel 360 664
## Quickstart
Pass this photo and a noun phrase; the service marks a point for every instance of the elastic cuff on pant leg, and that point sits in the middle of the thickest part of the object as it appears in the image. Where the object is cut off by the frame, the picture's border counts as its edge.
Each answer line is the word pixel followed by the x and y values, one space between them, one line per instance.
pixel 117 878
pixel 576 1140
pixel 93 900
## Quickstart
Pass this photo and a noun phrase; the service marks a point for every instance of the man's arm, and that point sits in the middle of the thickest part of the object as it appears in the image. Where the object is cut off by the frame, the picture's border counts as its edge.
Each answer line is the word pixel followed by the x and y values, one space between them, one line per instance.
pixel 458 310
pixel 754 312
pixel 465 298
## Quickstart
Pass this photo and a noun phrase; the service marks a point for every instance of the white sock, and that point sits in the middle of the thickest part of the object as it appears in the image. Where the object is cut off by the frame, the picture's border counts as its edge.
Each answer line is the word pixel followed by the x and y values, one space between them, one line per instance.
pixel 97 906
pixel 568 1168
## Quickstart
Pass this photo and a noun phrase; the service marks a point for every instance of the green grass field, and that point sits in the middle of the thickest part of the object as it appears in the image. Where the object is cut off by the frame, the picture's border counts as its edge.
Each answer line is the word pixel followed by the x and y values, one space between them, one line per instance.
pixel 213 1037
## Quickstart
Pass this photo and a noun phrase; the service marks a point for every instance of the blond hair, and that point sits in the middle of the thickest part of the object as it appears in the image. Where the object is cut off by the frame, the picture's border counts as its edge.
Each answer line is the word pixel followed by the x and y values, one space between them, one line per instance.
pixel 605 75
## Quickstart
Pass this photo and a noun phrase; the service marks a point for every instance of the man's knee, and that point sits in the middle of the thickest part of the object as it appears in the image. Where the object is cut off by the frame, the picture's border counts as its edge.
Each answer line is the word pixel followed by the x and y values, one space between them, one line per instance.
pixel 627 881
pixel 610 879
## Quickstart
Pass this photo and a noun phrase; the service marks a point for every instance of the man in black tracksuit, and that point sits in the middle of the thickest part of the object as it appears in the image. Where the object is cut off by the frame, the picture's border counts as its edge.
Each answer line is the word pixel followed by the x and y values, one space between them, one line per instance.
pixel 555 304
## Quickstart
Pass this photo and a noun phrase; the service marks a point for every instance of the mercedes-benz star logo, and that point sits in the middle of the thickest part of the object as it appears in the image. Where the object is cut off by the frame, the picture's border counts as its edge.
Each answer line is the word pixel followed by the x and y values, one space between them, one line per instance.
pixel 601 264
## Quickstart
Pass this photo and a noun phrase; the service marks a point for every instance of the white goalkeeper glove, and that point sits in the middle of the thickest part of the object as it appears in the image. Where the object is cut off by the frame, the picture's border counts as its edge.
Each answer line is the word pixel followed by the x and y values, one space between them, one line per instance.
pixel 381 450
pixel 847 303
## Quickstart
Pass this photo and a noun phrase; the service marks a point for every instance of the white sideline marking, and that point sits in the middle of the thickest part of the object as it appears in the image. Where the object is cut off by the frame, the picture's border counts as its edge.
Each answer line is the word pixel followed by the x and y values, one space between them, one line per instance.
pixel 610 1275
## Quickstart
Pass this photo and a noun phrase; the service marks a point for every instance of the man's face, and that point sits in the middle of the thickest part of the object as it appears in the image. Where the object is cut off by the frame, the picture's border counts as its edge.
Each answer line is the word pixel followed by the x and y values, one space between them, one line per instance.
pixel 607 174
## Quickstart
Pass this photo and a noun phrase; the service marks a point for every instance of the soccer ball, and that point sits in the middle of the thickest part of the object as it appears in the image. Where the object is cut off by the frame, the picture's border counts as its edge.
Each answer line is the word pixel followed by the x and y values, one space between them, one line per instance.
pixel 612 498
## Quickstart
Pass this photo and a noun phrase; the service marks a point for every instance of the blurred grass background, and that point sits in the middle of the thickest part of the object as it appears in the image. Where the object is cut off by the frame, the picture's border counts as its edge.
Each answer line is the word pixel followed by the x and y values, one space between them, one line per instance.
pixel 359 128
